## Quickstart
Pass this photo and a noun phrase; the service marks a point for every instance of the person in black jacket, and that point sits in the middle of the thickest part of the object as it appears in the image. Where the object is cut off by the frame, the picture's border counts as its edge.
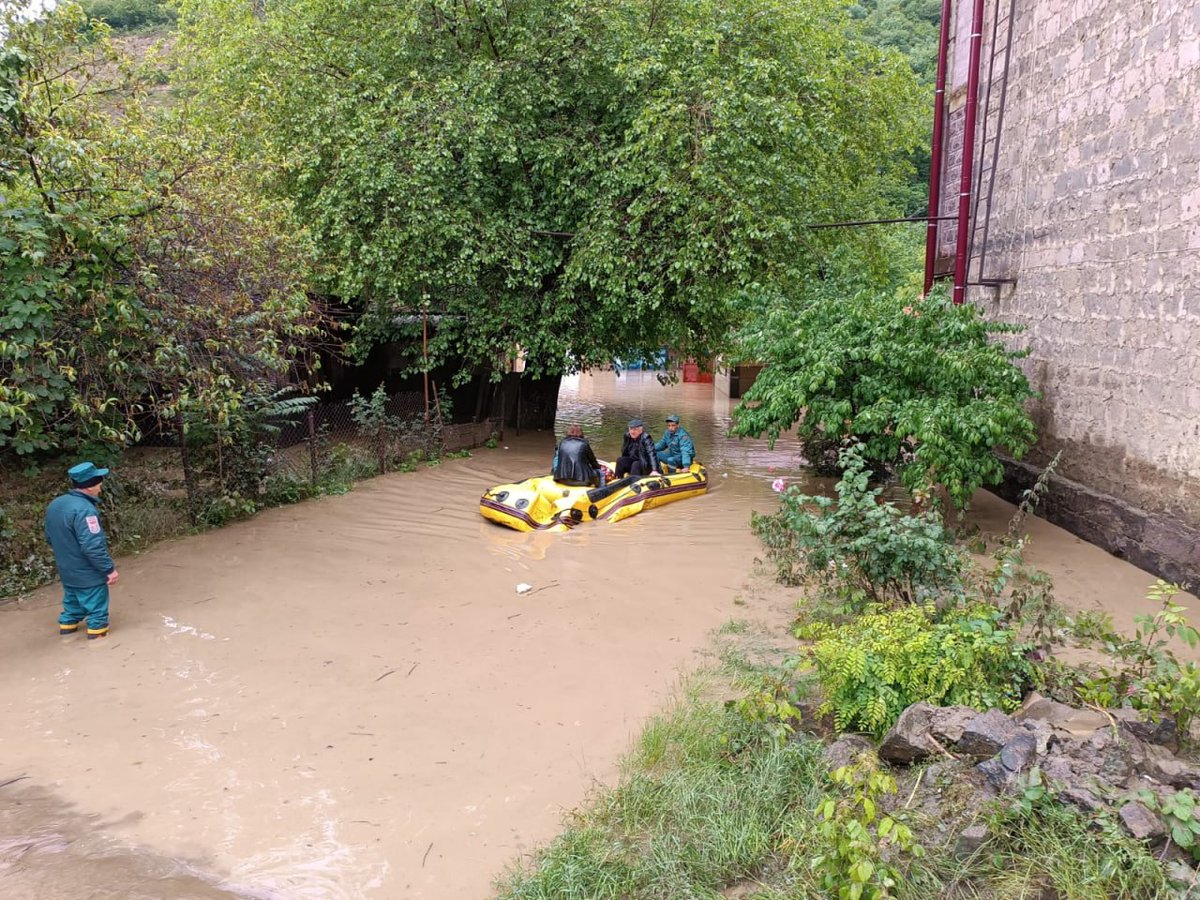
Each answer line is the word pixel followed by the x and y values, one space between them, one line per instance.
pixel 574 461
pixel 638 456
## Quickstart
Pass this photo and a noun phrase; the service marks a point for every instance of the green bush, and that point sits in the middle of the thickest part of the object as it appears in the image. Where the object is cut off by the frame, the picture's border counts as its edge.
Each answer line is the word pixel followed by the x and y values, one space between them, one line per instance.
pixel 343 464
pixel 862 550
pixel 281 489
pixel 25 558
pixel 856 845
pixel 922 384
pixel 1146 673
pixel 873 667
pixel 233 450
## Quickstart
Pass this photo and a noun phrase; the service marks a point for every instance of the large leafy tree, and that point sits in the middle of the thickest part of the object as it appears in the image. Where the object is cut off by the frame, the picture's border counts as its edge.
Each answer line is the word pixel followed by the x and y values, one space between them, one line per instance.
pixel 578 179
pixel 140 270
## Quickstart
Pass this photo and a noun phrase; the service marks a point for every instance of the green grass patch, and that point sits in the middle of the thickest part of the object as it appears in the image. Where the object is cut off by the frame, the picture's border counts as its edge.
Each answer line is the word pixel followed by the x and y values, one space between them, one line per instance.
pixel 1050 851
pixel 689 818
pixel 709 806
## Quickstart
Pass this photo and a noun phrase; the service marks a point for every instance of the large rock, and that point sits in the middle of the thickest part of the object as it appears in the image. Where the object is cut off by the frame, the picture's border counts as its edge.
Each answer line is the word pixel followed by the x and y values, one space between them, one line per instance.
pixel 970 840
pixel 1020 753
pixel 983 737
pixel 1160 765
pixel 1140 822
pixel 924 730
pixel 1043 734
pixel 908 740
pixel 1163 732
pixel 846 751
pixel 1077 722
pixel 1014 757
pixel 947 723
pixel 997 776
pixel 1081 798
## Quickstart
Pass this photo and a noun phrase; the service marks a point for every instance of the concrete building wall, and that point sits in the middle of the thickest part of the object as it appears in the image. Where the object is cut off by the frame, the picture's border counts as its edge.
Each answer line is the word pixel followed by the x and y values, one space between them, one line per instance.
pixel 1096 215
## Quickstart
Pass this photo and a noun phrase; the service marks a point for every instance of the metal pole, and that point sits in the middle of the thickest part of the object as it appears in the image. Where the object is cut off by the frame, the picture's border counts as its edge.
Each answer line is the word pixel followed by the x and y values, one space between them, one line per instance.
pixel 312 448
pixel 441 425
pixel 425 358
pixel 962 249
pixel 189 479
pixel 878 222
pixel 936 150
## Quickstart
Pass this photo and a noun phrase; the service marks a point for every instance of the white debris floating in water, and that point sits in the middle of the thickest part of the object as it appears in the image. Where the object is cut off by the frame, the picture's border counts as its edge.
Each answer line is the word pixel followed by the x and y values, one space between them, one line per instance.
pixel 524 588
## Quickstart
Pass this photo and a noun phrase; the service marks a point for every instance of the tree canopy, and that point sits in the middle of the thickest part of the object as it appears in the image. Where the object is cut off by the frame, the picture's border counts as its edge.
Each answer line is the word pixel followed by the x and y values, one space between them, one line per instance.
pixel 140 267
pixel 130 15
pixel 582 180
pixel 908 26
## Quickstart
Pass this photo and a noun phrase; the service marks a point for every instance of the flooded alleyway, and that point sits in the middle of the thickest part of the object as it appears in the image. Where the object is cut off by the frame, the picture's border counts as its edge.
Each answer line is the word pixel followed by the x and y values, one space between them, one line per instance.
pixel 348 699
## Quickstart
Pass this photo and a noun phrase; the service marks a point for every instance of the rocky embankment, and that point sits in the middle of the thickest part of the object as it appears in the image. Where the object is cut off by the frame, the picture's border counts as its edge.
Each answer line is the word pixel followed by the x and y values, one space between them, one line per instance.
pixel 1092 759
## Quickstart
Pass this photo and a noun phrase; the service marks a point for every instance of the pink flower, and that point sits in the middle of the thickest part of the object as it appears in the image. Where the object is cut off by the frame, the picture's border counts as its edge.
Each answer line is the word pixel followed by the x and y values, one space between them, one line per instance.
pixel 778 485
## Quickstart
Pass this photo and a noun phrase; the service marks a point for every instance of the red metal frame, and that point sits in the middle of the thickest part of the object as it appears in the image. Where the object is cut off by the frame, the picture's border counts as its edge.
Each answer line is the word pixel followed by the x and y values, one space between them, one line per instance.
pixel 962 249
pixel 936 150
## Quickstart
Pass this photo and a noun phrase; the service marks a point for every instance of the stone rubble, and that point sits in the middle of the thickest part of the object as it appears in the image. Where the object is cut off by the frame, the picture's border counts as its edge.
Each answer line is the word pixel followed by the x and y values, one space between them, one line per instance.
pixel 1091 759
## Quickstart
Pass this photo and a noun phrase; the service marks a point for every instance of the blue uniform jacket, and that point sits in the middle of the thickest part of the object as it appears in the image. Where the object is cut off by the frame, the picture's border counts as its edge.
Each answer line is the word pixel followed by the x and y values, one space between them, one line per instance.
pixel 677 449
pixel 80 547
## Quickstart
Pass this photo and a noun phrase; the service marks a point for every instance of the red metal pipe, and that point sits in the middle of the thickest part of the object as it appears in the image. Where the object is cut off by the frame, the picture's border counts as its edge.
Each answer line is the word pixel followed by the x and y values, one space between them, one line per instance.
pixel 962 248
pixel 935 150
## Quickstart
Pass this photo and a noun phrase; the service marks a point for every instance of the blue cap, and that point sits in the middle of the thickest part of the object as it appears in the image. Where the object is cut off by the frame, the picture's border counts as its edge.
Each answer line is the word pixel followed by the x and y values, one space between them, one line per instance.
pixel 673 418
pixel 636 423
pixel 86 472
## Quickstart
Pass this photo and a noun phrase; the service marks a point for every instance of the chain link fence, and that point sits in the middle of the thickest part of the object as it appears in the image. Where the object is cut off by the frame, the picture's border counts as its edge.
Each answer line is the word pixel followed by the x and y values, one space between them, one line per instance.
pixel 316 447
pixel 171 484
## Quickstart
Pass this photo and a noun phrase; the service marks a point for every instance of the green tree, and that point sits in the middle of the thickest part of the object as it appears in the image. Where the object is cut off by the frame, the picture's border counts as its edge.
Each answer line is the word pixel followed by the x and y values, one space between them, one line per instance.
pixel 130 15
pixel 139 267
pixel 580 180
pixel 925 386
pixel 908 26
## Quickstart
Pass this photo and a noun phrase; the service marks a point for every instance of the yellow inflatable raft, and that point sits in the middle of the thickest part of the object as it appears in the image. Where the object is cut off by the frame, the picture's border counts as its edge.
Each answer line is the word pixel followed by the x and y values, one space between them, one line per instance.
pixel 542 504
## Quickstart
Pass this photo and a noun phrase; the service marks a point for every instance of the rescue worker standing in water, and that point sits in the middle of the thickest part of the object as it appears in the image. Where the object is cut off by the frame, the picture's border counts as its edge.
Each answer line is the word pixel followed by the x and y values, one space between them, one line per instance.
pixel 85 566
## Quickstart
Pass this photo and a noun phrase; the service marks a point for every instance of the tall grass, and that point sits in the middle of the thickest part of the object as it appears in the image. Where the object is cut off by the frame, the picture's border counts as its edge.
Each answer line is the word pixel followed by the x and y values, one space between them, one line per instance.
pixel 1051 851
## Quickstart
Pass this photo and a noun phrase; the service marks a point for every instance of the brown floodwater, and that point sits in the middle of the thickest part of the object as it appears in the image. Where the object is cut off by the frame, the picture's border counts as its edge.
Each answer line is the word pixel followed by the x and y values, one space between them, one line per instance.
pixel 348 698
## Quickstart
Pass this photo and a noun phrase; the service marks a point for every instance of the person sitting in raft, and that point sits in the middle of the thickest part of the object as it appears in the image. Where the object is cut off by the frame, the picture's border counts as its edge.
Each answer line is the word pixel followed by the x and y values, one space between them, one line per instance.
pixel 574 461
pixel 676 449
pixel 638 456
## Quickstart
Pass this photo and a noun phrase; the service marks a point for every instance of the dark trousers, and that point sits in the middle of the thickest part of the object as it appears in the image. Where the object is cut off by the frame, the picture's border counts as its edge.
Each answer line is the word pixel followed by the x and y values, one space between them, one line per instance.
pixel 90 604
pixel 627 465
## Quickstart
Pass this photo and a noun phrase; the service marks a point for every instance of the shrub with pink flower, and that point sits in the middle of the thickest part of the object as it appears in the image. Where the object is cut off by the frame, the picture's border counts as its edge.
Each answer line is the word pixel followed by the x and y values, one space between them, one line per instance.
pixel 778 485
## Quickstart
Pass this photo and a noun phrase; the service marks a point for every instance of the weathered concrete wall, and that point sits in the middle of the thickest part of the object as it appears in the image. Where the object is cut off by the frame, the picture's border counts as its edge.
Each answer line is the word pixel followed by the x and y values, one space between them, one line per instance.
pixel 1096 214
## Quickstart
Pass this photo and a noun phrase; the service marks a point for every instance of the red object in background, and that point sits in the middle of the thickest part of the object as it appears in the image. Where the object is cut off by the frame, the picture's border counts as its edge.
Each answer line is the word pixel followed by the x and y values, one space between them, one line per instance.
pixel 693 375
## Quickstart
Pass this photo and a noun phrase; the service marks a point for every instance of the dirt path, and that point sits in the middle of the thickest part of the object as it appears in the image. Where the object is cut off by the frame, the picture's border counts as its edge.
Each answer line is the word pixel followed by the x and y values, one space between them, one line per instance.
pixel 347 698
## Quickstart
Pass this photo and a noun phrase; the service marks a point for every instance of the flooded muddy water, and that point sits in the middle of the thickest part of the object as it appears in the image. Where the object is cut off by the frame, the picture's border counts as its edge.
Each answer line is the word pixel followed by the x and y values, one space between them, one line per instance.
pixel 348 698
